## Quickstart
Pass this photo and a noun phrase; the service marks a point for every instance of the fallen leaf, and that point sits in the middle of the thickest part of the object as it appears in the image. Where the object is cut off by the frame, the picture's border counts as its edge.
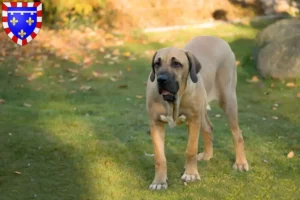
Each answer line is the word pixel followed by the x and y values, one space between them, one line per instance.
pixel 87 60
pixel 127 54
pixel 107 56
pixel 85 88
pixel 27 105
pixel 237 63
pixel 116 52
pixel 139 96
pixel 113 79
pixel 265 161
pixel 73 79
pixel 102 49
pixel 148 154
pixel 123 86
pixel 34 76
pixel 96 74
pixel 274 108
pixel 2 101
pixel 107 163
pixel 272 85
pixel 275 117
pixel 291 84
pixel 72 70
pixel 254 79
pixel 291 154
pixel 128 68
pixel 298 95
pixel 19 173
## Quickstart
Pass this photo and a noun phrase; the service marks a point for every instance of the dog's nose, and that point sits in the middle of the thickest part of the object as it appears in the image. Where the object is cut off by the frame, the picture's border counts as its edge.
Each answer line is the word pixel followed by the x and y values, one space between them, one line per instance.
pixel 162 78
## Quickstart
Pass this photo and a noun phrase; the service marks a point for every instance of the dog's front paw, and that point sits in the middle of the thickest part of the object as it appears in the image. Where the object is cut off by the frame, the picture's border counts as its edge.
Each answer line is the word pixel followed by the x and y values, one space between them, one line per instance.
pixel 190 177
pixel 241 166
pixel 158 186
pixel 204 156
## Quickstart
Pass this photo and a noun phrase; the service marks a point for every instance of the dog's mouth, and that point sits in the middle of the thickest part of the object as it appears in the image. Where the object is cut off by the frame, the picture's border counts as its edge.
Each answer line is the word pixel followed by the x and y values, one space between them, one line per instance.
pixel 167 95
pixel 166 92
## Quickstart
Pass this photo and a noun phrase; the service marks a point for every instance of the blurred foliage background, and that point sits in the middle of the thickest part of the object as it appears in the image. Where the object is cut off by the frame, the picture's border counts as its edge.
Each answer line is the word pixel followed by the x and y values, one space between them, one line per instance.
pixel 134 13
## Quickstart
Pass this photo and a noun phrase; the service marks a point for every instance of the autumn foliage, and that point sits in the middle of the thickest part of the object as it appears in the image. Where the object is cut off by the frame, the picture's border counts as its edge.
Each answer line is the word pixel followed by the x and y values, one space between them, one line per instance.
pixel 137 14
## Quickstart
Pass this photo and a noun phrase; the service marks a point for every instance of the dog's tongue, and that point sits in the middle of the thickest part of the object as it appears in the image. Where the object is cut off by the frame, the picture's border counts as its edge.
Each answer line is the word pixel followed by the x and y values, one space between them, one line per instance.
pixel 165 92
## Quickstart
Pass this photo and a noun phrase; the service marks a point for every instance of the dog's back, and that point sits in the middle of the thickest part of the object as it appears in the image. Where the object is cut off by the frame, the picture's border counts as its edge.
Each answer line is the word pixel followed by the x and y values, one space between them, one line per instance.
pixel 218 70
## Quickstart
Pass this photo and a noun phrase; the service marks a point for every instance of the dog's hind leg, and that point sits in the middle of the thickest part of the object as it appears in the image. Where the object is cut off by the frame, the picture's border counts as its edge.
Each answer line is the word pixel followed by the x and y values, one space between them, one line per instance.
pixel 228 102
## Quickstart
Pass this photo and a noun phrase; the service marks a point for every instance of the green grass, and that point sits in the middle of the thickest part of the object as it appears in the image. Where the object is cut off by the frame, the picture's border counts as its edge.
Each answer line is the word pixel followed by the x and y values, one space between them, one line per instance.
pixel 92 144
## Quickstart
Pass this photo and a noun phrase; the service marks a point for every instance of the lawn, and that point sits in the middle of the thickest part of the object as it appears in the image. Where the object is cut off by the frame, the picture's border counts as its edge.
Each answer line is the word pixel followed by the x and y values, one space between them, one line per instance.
pixel 73 133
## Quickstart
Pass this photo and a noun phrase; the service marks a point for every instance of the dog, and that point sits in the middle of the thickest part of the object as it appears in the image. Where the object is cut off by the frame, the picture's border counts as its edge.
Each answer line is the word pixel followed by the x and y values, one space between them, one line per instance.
pixel 180 85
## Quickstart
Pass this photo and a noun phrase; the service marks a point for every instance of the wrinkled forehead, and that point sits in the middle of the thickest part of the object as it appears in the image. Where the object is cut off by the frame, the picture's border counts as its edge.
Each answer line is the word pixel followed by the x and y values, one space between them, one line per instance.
pixel 167 54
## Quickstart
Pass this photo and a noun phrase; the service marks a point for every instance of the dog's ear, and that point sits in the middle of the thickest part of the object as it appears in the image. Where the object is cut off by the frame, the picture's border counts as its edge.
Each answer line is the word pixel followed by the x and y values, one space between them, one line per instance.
pixel 152 76
pixel 194 66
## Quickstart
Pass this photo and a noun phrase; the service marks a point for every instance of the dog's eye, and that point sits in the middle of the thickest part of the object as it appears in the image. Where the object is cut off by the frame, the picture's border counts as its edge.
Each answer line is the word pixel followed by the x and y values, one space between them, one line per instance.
pixel 156 65
pixel 176 64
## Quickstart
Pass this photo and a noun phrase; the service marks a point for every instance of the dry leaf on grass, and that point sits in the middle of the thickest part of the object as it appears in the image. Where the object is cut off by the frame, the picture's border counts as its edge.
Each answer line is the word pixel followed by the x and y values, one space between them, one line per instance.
pixel 101 49
pixel 2 101
pixel 116 52
pixel 254 79
pixel 237 63
pixel 139 96
pixel 113 79
pixel 73 79
pixel 34 76
pixel 272 85
pixel 148 154
pixel 291 84
pixel 123 86
pixel 107 56
pixel 96 74
pixel 275 117
pixel 27 105
pixel 85 88
pixel 128 68
pixel 17 172
pixel 127 54
pixel 72 70
pixel 87 60
pixel 291 154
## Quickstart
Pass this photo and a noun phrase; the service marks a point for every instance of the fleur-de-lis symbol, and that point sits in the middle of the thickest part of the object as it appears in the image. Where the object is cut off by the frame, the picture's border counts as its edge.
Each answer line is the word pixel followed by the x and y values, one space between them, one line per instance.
pixel 14 21
pixel 22 33
pixel 29 21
